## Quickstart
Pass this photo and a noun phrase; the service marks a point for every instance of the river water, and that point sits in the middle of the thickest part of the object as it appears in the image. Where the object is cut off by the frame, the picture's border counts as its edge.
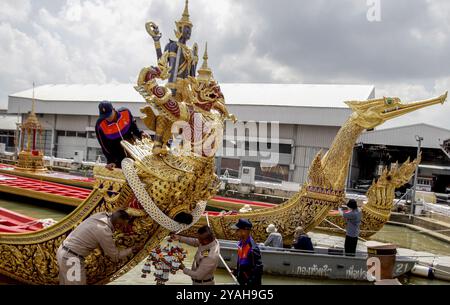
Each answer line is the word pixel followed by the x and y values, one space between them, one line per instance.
pixel 401 236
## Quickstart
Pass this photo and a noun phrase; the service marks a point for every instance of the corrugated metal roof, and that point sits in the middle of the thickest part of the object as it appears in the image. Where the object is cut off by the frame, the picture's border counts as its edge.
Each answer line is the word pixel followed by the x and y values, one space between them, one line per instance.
pixel 78 92
pixel 433 136
pixel 291 95
pixel 295 95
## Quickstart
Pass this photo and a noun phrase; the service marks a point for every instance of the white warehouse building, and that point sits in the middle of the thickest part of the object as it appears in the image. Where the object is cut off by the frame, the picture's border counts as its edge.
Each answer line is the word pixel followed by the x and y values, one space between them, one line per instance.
pixel 308 118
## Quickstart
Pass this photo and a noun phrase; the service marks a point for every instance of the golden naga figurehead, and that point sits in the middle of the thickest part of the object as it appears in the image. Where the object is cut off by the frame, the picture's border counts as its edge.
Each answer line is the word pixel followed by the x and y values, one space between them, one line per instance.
pixel 371 113
pixel 207 94
pixel 205 87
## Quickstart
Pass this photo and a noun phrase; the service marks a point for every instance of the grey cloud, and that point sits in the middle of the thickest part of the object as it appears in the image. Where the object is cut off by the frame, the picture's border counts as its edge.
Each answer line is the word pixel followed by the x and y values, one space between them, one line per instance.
pixel 320 41
pixel 333 39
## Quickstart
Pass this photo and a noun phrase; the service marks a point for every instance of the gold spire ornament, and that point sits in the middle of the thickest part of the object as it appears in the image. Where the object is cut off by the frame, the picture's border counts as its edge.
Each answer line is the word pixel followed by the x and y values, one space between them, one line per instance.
pixel 184 21
pixel 205 73
pixel 31 157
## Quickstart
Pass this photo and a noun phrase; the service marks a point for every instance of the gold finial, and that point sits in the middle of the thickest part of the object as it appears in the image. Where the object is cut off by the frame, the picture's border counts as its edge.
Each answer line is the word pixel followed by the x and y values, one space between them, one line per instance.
pixel 186 12
pixel 184 21
pixel 205 57
pixel 205 73
pixel 32 121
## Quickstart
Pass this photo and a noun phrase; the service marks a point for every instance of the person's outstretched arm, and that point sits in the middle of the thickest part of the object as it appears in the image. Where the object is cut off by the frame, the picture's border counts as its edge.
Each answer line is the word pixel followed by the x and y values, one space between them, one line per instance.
pixel 189 241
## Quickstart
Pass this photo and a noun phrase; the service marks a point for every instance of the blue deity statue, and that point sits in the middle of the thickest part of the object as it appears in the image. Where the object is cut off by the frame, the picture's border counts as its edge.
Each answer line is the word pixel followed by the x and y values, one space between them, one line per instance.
pixel 181 59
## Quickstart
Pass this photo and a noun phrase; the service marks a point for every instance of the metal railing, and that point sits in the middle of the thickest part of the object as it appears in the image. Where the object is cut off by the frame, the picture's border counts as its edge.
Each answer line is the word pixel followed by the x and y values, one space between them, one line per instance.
pixel 405 195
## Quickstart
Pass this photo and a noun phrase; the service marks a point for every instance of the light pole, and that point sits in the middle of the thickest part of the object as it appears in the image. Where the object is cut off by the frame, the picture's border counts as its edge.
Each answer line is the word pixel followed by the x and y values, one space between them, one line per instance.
pixel 419 140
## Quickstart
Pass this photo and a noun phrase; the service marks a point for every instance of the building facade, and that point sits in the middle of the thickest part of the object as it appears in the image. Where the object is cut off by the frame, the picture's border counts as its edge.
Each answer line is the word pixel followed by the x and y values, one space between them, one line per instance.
pixel 378 149
pixel 280 130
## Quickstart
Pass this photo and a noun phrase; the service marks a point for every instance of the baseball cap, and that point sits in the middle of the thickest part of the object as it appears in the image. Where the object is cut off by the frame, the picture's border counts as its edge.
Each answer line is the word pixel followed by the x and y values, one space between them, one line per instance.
pixel 105 109
pixel 242 224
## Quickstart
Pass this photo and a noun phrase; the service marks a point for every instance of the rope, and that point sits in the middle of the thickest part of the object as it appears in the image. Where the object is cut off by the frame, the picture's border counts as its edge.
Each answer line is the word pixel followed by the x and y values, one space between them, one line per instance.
pixel 221 258
pixel 403 196
pixel 433 256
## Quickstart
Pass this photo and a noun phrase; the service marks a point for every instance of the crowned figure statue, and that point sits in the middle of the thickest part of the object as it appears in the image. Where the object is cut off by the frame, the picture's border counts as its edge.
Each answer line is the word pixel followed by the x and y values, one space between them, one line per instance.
pixel 186 96
pixel 181 59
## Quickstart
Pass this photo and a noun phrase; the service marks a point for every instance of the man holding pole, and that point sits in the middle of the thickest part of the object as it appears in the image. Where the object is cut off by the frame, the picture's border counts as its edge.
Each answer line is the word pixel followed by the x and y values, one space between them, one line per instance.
pixel 353 219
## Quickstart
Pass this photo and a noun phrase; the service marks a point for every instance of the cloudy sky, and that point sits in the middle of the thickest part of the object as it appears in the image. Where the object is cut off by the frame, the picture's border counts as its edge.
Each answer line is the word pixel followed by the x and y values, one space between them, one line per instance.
pixel 406 54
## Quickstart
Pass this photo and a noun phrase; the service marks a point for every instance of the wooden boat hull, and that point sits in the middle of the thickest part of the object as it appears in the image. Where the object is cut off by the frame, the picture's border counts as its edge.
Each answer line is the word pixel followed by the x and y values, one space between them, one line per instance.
pixel 168 184
pixel 323 263
pixel 31 257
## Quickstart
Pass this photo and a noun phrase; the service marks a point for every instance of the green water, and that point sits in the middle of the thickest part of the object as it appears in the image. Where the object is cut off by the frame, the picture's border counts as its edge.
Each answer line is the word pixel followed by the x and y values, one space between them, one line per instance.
pixel 406 238
pixel 401 236
pixel 34 208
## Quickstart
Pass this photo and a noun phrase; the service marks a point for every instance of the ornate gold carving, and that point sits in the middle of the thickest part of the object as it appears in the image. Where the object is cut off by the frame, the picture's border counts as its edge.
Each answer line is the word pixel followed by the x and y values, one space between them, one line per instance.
pixel 177 183
pixel 31 156
pixel 324 189
pixel 380 199
pixel 185 100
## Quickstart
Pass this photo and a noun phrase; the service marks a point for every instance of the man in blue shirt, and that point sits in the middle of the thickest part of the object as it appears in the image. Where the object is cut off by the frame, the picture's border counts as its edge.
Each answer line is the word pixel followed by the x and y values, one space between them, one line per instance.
pixel 302 241
pixel 353 219
pixel 249 264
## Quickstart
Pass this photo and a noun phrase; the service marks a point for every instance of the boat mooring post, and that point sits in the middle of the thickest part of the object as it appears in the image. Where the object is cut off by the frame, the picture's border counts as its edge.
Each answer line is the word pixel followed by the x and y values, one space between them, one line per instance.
pixel 381 260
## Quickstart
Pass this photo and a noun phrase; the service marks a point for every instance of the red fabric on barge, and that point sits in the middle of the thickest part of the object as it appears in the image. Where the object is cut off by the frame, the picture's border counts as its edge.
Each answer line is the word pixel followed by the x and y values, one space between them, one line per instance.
pixel 12 222
pixel 43 186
